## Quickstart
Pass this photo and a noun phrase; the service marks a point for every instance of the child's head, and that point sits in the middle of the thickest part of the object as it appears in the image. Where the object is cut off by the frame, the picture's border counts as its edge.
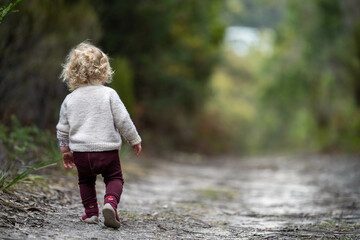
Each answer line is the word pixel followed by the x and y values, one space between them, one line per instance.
pixel 86 65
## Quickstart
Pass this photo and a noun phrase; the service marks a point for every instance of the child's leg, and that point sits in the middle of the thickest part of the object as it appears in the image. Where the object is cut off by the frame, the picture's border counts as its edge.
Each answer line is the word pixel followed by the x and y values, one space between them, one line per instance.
pixel 113 177
pixel 111 171
pixel 88 195
pixel 87 181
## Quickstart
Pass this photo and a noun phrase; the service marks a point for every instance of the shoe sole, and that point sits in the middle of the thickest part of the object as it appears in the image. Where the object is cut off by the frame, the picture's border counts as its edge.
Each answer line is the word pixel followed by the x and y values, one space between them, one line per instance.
pixel 91 220
pixel 110 216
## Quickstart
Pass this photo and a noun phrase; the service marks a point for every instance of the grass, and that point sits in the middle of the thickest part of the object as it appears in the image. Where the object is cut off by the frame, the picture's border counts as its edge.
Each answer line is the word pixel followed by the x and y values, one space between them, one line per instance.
pixel 5 10
pixel 23 174
pixel 25 150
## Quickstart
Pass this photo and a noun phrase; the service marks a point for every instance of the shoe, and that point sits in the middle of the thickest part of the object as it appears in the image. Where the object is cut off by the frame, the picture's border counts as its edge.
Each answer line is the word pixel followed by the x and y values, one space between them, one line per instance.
pixel 92 219
pixel 111 218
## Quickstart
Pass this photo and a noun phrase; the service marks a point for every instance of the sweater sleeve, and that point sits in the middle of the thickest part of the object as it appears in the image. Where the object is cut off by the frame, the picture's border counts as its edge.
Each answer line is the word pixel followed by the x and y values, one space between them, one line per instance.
pixel 123 121
pixel 63 126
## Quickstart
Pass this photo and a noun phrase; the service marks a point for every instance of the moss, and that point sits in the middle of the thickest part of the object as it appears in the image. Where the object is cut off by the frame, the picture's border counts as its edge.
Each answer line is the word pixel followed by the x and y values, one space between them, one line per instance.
pixel 216 194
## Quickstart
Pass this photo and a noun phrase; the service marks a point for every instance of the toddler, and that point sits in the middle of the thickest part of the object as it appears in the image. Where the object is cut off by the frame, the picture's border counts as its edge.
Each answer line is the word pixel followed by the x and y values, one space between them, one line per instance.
pixel 92 121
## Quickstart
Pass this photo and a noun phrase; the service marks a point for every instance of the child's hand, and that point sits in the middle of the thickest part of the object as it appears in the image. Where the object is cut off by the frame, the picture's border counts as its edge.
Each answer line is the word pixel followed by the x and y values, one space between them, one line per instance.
pixel 138 149
pixel 68 159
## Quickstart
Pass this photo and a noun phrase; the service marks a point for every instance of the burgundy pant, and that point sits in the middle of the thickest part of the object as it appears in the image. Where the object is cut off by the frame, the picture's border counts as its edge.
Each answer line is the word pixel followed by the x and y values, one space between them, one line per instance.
pixel 89 164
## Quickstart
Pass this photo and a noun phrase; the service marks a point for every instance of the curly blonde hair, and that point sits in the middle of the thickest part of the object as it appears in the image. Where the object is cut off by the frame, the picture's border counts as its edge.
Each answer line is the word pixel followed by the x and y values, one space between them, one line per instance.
pixel 86 65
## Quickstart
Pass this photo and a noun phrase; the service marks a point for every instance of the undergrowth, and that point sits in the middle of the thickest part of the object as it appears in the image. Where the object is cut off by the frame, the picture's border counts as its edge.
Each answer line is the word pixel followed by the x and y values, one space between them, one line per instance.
pixel 24 150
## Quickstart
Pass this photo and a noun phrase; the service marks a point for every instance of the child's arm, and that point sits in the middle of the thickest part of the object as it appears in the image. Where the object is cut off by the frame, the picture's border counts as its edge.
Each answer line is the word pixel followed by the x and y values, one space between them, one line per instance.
pixel 68 158
pixel 124 123
pixel 138 148
pixel 63 137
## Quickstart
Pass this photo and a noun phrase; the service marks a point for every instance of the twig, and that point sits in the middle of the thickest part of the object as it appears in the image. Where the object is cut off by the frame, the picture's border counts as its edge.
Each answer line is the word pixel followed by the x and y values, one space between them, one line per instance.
pixel 162 228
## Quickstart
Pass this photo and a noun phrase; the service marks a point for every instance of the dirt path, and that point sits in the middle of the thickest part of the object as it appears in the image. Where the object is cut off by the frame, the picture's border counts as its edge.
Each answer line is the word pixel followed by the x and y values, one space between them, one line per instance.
pixel 194 198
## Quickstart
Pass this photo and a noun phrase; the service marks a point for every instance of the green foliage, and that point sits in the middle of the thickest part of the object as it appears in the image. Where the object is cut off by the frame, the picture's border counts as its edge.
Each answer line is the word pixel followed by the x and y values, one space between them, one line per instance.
pixel 171 48
pixel 312 86
pixel 236 89
pixel 163 54
pixel 123 81
pixel 5 10
pixel 306 95
pixel 33 45
pixel 253 13
pixel 4 174
pixel 24 150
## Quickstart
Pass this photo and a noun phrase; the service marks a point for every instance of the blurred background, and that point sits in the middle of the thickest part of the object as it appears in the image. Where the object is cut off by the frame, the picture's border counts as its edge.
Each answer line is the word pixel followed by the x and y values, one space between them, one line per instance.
pixel 210 77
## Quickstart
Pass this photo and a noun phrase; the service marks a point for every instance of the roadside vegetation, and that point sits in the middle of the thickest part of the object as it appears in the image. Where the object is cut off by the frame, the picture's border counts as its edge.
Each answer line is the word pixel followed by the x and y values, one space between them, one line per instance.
pixel 24 151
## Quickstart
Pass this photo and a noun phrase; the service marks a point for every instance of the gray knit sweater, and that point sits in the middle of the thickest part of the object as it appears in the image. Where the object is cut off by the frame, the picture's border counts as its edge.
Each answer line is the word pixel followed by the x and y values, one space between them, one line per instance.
pixel 93 119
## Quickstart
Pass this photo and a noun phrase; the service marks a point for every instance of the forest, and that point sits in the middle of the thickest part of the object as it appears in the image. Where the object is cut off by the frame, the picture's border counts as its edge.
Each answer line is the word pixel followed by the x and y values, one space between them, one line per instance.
pixel 248 110
pixel 185 89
